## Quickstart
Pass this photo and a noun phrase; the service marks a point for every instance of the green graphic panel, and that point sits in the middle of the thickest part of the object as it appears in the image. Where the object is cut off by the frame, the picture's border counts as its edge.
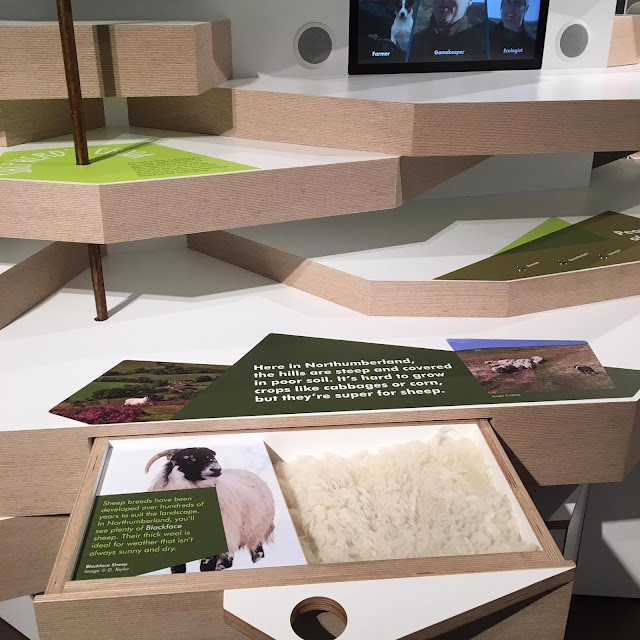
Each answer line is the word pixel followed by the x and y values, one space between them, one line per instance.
pixel 544 229
pixel 112 163
pixel 606 239
pixel 136 533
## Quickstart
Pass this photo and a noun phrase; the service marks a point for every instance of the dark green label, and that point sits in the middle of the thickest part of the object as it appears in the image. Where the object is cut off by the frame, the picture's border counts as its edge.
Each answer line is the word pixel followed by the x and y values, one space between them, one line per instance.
pixel 292 374
pixel 606 239
pixel 136 533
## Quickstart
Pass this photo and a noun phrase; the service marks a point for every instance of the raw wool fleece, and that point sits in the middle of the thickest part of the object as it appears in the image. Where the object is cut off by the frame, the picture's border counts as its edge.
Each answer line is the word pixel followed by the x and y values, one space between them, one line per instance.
pixel 413 500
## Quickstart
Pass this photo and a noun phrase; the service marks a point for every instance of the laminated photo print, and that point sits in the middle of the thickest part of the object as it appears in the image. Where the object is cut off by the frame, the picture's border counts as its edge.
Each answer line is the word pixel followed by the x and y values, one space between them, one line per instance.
pixel 516 367
pixel 187 504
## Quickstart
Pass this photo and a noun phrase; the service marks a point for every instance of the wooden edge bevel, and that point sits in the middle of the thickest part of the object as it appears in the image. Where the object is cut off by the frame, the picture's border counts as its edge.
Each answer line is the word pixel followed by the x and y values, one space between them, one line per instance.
pixel 625 41
pixel 531 513
pixel 80 514
pixel 404 129
pixel 29 548
pixel 343 289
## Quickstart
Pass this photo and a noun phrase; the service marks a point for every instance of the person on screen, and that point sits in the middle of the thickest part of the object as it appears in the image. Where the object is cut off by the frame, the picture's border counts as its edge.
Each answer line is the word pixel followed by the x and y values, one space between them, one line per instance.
pixel 450 34
pixel 510 38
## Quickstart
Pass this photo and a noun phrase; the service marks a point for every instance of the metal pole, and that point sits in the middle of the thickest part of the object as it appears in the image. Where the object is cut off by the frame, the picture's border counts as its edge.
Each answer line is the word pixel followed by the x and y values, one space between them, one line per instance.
pixel 95 261
pixel 72 74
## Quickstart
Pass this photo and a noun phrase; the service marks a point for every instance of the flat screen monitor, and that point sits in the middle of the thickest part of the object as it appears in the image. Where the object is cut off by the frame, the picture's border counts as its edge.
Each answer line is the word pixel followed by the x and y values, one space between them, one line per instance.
pixel 404 36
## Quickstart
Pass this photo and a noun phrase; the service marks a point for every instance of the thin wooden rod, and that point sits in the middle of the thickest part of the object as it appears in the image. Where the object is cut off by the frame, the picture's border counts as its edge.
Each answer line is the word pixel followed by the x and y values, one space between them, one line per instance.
pixel 95 262
pixel 72 74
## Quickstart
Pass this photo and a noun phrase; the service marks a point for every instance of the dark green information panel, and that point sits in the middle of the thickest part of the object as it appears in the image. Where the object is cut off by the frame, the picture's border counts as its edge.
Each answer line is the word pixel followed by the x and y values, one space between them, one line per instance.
pixel 136 533
pixel 606 239
pixel 291 374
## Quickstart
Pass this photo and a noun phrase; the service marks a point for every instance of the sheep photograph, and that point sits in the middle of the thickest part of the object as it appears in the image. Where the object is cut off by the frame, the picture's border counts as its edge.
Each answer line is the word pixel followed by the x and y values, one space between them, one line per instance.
pixel 520 366
pixel 139 391
pixel 257 525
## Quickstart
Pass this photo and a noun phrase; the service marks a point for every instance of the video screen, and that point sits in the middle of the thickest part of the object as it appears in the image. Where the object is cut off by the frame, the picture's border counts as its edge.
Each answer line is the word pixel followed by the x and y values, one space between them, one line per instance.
pixel 401 36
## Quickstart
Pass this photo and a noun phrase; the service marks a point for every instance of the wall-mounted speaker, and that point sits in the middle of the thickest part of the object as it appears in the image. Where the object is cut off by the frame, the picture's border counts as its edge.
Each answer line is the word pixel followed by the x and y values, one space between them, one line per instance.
pixel 313 44
pixel 579 34
pixel 574 40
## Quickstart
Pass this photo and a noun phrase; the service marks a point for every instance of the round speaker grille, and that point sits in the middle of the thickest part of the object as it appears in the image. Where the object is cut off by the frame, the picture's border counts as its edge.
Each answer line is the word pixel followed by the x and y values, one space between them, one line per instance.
pixel 574 40
pixel 314 44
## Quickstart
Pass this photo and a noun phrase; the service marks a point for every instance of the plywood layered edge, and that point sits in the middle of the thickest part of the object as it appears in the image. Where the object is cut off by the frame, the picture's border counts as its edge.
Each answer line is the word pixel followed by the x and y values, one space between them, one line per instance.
pixel 121 212
pixel 32 280
pixel 548 443
pixel 625 41
pixel 115 59
pixel 28 550
pixel 427 129
pixel 436 298
pixel 24 121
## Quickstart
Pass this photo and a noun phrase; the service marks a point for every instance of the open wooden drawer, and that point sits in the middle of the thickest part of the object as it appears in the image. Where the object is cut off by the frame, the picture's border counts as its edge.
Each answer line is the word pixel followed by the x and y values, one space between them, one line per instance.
pixel 430 532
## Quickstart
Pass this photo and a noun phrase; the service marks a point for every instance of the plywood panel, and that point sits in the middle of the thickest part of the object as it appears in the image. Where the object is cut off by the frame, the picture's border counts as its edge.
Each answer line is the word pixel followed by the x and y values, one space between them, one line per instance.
pixel 37 277
pixel 29 548
pixel 625 41
pixel 115 59
pixel 548 443
pixel 30 120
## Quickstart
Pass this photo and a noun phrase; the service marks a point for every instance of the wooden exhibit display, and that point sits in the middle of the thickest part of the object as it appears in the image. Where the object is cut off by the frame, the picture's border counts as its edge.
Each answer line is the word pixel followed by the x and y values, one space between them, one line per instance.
pixel 220 601
pixel 625 41
pixel 116 59
pixel 489 113
pixel 31 270
pixel 550 443
pixel 28 120
pixel 121 197
pixel 30 546
pixel 380 271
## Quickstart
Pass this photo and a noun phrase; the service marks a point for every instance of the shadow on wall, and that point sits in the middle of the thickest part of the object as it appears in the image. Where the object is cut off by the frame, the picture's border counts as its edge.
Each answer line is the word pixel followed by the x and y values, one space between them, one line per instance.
pixel 609 560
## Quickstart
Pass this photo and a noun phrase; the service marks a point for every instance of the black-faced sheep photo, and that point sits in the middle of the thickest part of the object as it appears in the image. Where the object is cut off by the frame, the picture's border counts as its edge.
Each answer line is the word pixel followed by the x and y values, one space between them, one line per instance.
pixel 535 368
pixel 246 501
pixel 258 528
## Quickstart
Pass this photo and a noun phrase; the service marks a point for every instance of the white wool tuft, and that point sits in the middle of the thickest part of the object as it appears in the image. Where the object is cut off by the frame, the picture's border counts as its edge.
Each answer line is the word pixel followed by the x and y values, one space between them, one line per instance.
pixel 413 500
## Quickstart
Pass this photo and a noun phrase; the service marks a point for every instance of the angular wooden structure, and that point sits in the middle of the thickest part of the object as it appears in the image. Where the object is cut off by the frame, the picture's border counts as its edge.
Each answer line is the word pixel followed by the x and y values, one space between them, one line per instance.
pixel 37 276
pixel 443 115
pixel 625 43
pixel 550 443
pixel 28 120
pixel 327 183
pixel 434 298
pixel 116 59
pixel 29 548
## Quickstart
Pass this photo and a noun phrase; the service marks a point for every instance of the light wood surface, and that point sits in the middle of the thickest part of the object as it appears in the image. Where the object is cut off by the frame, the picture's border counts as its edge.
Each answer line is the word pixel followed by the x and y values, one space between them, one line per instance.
pixel 327 183
pixel 625 41
pixel 548 443
pixel 115 59
pixel 29 120
pixel 29 547
pixel 445 115
pixel 32 280
pixel 447 298
pixel 80 514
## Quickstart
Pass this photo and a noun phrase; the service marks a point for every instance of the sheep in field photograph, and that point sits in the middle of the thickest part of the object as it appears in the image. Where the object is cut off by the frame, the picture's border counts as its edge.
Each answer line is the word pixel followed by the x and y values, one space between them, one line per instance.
pixel 525 368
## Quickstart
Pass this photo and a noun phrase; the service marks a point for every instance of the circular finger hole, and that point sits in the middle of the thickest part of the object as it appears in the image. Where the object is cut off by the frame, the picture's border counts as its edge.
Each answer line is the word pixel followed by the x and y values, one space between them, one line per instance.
pixel 318 619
